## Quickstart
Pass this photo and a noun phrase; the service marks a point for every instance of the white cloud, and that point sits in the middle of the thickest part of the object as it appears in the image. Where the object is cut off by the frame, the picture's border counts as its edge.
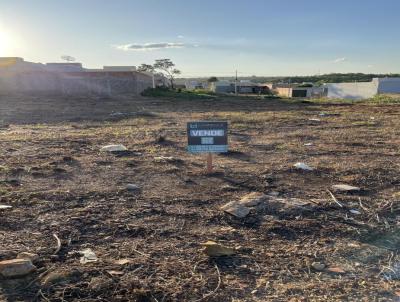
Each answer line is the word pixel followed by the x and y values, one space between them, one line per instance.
pixel 181 36
pixel 153 46
pixel 340 60
pixel 370 66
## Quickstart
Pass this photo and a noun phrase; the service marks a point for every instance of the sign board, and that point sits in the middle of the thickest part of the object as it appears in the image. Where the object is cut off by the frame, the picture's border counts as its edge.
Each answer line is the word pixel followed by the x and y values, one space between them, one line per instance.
pixel 207 137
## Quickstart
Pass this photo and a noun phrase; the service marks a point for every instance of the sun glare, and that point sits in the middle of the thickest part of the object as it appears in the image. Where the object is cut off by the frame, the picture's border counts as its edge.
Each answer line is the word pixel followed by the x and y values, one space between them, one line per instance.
pixel 7 44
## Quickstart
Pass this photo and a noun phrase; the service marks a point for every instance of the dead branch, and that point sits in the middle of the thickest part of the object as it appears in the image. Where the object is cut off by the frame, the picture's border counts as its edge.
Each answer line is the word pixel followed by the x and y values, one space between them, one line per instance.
pixel 215 290
pixel 334 198
pixel 58 244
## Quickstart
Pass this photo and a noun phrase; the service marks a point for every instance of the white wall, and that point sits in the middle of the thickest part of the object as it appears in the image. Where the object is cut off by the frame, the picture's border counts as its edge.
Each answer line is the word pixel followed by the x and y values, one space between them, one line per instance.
pixel 356 91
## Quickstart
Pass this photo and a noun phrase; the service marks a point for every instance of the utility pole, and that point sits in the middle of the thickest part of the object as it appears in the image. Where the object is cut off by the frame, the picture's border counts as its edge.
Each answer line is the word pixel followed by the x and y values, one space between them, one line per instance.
pixel 236 86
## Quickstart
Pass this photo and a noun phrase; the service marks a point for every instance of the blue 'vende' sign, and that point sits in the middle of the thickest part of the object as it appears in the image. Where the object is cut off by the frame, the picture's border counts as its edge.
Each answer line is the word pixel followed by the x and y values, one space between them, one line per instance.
pixel 207 137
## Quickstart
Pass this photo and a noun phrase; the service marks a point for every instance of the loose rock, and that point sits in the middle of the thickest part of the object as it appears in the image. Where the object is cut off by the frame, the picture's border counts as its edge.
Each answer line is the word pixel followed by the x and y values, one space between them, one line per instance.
pixel 236 209
pixel 253 199
pixel 88 256
pixel 214 249
pixel 113 148
pixel 240 208
pixel 132 187
pixel 30 256
pixel 303 166
pixel 318 266
pixel 16 268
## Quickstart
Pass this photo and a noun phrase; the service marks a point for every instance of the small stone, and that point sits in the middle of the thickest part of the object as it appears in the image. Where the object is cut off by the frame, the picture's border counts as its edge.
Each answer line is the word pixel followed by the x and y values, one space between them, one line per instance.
pixel 132 187
pixel 60 277
pixel 228 188
pixel 270 218
pixel 114 148
pixel 253 199
pixel 303 166
pixel 236 209
pixel 214 249
pixel 16 268
pixel 30 256
pixel 345 188
pixel 318 266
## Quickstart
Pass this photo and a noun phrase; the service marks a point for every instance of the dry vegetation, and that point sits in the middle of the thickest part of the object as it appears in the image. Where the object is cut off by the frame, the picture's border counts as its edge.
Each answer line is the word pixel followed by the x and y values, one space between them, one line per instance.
pixel 57 181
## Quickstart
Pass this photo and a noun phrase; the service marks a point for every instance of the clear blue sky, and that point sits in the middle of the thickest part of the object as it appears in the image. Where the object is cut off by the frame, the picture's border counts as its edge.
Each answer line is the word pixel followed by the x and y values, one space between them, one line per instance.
pixel 209 37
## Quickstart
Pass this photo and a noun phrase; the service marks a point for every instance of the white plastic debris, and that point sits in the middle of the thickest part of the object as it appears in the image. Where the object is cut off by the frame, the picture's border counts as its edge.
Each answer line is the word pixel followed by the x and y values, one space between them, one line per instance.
pixel 303 166
pixel 355 212
pixel 113 148
pixel 88 256
pixel 308 144
pixel 4 207
pixel 314 119
pixel 345 188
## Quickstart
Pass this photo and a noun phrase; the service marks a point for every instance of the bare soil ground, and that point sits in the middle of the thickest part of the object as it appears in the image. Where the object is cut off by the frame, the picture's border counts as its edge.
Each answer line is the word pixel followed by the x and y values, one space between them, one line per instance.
pixel 58 182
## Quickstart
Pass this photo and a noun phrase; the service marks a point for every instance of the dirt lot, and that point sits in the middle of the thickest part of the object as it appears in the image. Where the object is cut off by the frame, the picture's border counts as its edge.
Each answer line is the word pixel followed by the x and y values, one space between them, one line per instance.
pixel 58 182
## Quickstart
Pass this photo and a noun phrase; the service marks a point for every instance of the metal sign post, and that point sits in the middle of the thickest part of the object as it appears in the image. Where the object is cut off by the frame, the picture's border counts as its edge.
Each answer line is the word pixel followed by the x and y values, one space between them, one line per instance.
pixel 208 137
pixel 209 163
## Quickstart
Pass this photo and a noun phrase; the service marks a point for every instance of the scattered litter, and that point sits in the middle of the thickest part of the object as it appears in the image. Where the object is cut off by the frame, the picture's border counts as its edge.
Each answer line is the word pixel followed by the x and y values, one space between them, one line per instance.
pixel 314 119
pixel 345 188
pixel 165 159
pixel 308 144
pixel 214 249
pixel 4 207
pixel 325 114
pixel 16 268
pixel 88 256
pixel 355 212
pixel 336 270
pixel 115 273
pixel 303 166
pixel 117 114
pixel 273 194
pixel 123 261
pixel 132 187
pixel 113 148
pixel 318 266
pixel 229 188
pixel 392 272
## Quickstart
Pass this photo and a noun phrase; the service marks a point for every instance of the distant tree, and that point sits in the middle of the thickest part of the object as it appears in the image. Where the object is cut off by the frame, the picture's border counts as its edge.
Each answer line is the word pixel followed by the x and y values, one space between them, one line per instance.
pixel 167 68
pixel 146 68
pixel 212 80
pixel 164 67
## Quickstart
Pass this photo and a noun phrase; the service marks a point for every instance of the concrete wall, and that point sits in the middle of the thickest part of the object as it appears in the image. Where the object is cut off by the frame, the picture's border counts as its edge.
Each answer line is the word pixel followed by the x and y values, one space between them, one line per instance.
pixel 74 83
pixel 356 91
